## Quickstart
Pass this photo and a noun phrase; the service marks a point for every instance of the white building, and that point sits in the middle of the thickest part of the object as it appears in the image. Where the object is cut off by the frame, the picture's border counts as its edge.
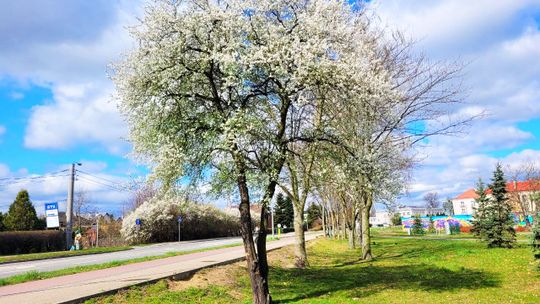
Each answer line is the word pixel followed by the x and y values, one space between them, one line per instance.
pixel 465 203
pixel 384 218
pixel 408 211
pixel 381 219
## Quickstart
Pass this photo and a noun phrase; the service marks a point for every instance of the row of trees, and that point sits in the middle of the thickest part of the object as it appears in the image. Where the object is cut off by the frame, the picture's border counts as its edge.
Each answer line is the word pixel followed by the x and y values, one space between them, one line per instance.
pixel 308 96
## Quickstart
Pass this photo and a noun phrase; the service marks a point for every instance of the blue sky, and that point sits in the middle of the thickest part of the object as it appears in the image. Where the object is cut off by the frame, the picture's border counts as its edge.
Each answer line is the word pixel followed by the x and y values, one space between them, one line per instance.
pixel 56 105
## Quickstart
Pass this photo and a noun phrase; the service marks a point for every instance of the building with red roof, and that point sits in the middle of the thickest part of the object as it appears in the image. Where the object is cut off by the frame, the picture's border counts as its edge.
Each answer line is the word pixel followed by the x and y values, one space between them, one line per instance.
pixel 520 194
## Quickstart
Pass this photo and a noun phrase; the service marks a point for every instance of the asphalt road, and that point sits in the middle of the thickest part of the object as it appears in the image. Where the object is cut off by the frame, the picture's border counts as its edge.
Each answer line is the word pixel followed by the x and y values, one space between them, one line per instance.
pixel 11 269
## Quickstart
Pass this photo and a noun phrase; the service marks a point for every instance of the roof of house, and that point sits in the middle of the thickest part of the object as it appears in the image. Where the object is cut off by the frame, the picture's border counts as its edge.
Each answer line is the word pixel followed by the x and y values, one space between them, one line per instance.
pixel 510 187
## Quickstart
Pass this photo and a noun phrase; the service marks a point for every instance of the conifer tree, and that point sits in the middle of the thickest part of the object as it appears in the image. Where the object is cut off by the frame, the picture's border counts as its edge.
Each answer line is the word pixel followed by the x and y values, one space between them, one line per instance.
pixel 2 227
pixel 480 223
pixel 418 226
pixel 499 223
pixel 536 243
pixel 284 212
pixel 21 214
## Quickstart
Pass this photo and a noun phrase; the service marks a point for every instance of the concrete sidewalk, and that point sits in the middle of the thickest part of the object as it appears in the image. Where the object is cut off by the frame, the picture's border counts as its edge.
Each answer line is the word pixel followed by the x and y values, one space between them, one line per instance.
pixel 76 287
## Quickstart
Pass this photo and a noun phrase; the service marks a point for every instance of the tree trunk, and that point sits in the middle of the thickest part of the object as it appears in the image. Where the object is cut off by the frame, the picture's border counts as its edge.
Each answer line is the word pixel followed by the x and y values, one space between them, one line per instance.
pixel 351 238
pixel 366 238
pixel 359 230
pixel 323 221
pixel 257 273
pixel 343 228
pixel 300 253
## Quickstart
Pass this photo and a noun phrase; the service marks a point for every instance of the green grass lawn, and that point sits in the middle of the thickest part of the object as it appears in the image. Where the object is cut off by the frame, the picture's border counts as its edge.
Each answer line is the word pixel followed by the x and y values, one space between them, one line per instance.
pixel 398 231
pixel 405 271
pixel 37 275
pixel 58 254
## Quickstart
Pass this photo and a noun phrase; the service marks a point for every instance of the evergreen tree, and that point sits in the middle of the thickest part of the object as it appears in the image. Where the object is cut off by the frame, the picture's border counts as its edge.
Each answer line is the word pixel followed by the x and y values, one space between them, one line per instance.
pixel 536 243
pixel 21 214
pixel 418 226
pixel 2 227
pixel 480 222
pixel 499 223
pixel 313 213
pixel 284 212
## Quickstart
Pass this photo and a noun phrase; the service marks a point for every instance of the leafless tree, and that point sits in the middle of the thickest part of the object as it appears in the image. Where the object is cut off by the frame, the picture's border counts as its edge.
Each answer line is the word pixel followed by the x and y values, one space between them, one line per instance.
pixel 432 202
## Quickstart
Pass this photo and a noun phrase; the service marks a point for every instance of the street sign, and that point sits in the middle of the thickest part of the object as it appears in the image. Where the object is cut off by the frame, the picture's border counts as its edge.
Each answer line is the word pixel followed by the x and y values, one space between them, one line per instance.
pixel 138 222
pixel 51 213
pixel 179 220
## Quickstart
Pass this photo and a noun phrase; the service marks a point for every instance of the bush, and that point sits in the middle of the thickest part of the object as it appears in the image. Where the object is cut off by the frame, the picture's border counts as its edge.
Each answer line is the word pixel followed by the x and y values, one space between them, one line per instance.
pixel 418 226
pixel 159 221
pixel 455 229
pixel 19 242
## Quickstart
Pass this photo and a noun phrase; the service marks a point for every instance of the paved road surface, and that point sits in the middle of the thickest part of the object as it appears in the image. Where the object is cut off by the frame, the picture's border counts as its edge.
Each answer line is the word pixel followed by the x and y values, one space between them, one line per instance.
pixel 69 288
pixel 11 269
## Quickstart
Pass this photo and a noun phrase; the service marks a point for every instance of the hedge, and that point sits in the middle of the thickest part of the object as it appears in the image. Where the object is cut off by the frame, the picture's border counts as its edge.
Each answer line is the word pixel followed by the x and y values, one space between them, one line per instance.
pixel 19 242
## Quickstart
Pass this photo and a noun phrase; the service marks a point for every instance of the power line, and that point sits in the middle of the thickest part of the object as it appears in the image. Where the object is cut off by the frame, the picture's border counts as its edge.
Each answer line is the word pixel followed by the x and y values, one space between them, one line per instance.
pixel 99 177
pixel 33 177
pixel 113 187
pixel 36 179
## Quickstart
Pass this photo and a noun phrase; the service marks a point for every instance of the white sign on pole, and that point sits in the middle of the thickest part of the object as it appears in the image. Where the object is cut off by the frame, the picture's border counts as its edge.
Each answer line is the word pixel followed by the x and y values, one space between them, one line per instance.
pixel 51 212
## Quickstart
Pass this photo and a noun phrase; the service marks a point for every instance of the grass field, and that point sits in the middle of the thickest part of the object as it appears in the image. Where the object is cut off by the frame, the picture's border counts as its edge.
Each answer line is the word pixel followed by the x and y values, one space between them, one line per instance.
pixel 58 254
pixel 405 271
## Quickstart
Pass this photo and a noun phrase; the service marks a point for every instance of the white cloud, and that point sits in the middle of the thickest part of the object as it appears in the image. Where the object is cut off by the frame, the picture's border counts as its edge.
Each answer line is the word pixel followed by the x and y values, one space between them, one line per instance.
pixel 16 95
pixel 4 170
pixel 80 113
pixel 500 42
pixel 444 27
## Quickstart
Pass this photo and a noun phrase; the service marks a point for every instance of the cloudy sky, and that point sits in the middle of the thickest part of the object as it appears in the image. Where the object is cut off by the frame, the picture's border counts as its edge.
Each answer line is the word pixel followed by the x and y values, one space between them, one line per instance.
pixel 55 97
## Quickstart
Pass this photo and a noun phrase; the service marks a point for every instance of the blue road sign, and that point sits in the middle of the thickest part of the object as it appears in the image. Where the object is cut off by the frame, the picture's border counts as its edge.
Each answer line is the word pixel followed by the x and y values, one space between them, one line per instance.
pixel 138 222
pixel 51 206
pixel 180 219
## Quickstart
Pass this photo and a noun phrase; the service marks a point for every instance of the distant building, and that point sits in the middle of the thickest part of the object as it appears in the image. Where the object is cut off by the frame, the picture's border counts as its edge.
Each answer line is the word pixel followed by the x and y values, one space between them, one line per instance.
pixel 384 218
pixel 381 219
pixel 520 195
pixel 409 211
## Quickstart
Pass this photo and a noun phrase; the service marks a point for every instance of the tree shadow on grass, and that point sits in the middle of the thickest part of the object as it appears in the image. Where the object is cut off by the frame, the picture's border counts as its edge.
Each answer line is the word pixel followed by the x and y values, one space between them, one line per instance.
pixel 368 280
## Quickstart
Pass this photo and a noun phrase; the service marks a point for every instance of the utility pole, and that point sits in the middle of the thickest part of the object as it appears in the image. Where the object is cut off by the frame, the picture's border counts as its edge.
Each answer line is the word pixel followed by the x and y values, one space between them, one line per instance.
pixel 69 207
pixel 97 230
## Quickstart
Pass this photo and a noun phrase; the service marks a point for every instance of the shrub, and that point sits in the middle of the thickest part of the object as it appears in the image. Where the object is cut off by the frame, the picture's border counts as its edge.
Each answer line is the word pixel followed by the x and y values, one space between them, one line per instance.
pixel 19 242
pixel 418 226
pixel 455 229
pixel 159 221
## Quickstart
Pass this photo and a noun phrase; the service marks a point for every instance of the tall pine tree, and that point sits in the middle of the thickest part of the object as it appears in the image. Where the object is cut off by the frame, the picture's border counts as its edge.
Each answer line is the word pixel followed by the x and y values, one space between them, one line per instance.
pixel 21 214
pixel 2 228
pixel 535 243
pixel 499 228
pixel 284 212
pixel 480 223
